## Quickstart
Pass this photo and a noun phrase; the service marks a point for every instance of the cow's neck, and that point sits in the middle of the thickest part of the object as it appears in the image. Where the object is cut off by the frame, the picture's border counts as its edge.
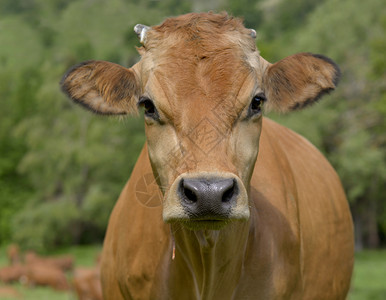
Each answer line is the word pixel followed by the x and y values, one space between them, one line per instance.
pixel 211 260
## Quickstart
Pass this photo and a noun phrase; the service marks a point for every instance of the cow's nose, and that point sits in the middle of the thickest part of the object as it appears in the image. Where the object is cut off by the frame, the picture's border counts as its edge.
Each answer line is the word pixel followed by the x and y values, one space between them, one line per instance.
pixel 204 198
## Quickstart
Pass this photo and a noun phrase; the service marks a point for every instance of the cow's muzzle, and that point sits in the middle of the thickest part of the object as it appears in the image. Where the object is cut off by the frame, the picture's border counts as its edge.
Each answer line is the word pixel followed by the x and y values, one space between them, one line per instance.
pixel 206 200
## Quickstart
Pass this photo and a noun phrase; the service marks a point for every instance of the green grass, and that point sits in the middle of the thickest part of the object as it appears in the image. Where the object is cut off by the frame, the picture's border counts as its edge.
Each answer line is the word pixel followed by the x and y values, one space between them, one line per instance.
pixel 368 282
pixel 40 293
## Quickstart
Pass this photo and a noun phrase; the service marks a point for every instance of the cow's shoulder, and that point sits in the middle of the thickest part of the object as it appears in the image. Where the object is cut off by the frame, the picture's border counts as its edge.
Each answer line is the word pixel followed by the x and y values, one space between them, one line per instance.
pixel 293 152
pixel 296 167
pixel 299 191
pixel 136 229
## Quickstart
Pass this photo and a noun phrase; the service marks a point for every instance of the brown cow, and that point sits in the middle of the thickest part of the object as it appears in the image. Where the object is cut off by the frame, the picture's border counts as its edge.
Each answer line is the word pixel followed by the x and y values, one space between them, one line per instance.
pixel 12 273
pixel 87 283
pixel 64 262
pixel 45 274
pixel 13 253
pixel 250 209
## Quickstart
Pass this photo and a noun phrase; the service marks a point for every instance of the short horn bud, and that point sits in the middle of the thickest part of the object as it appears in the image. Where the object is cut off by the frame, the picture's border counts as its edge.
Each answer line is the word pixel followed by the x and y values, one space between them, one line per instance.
pixel 252 33
pixel 141 30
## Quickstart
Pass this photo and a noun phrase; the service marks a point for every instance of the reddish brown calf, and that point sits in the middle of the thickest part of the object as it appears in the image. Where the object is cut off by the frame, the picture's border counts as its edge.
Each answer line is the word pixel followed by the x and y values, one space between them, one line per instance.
pixel 64 263
pixel 13 253
pixel 46 275
pixel 87 284
pixel 12 273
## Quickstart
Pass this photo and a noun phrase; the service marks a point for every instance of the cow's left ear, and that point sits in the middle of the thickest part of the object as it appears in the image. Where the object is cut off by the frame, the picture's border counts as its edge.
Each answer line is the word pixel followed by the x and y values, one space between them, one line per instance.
pixel 298 80
pixel 102 87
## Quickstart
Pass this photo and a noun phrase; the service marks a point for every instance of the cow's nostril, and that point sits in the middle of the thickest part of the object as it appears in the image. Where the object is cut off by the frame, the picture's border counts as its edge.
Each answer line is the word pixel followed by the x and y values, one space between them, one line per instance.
pixel 228 194
pixel 187 192
pixel 190 195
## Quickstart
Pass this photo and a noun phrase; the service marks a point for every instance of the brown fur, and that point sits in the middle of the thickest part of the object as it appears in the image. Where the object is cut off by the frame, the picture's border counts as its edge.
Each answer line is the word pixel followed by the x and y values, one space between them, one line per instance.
pixel 87 283
pixel 42 274
pixel 12 273
pixel 64 263
pixel 214 45
pixel 115 84
pixel 200 71
pixel 13 253
pixel 299 80
pixel 293 238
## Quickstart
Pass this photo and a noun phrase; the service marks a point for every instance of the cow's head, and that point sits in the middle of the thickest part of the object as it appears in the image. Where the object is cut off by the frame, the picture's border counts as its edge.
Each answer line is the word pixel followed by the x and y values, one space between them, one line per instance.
pixel 203 86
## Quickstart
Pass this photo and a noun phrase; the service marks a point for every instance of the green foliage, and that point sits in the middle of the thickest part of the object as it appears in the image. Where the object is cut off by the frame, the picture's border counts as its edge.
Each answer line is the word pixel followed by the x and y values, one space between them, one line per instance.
pixel 50 224
pixel 284 17
pixel 62 169
pixel 248 10
pixel 367 163
pixel 15 32
pixel 53 154
pixel 171 7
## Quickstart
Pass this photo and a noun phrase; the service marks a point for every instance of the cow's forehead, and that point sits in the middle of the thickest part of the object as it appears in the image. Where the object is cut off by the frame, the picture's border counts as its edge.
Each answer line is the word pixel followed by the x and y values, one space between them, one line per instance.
pixel 198 41
pixel 208 76
pixel 198 36
pixel 199 29
pixel 202 91
pixel 202 60
pixel 201 87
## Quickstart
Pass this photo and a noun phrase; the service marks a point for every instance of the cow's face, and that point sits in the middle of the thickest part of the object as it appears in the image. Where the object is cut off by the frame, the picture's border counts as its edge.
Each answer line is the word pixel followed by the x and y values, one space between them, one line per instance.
pixel 202 85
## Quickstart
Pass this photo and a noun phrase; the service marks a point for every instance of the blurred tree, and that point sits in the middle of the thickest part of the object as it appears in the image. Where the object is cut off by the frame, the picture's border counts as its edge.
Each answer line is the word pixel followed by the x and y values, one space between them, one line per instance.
pixel 170 7
pixel 349 126
pixel 284 17
pixel 18 85
pixel 62 169
pixel 248 10
pixel 61 149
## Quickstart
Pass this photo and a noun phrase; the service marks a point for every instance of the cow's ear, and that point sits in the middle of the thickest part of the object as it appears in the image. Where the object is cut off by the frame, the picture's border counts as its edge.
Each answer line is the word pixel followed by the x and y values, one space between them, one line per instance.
pixel 102 87
pixel 298 81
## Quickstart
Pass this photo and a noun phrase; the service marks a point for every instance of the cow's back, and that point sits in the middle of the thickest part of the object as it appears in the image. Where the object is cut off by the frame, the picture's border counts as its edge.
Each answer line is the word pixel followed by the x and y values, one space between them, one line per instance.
pixel 311 213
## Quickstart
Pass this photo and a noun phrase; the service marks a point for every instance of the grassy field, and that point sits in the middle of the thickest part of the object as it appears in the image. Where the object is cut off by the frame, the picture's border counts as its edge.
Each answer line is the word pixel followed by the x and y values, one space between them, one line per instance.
pixel 369 281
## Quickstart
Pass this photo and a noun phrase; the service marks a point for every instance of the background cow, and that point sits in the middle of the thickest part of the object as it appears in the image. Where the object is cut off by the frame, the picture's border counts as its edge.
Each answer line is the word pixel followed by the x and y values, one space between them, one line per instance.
pixel 13 253
pixel 87 283
pixel 63 262
pixel 250 209
pixel 43 274
pixel 12 273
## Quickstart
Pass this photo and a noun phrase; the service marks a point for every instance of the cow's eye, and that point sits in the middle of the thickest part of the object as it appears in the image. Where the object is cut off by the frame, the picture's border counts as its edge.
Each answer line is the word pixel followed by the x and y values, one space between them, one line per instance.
pixel 256 104
pixel 149 107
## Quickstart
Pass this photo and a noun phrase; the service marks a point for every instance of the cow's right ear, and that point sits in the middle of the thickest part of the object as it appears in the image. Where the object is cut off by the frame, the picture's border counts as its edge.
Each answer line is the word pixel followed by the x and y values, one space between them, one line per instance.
pixel 102 87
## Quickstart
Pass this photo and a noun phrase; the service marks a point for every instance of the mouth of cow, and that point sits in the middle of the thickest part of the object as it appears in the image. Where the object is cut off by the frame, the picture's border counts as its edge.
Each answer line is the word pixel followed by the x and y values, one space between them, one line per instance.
pixel 209 224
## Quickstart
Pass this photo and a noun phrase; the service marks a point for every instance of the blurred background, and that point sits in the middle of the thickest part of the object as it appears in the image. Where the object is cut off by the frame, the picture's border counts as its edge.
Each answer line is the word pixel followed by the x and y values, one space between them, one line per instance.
pixel 62 168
